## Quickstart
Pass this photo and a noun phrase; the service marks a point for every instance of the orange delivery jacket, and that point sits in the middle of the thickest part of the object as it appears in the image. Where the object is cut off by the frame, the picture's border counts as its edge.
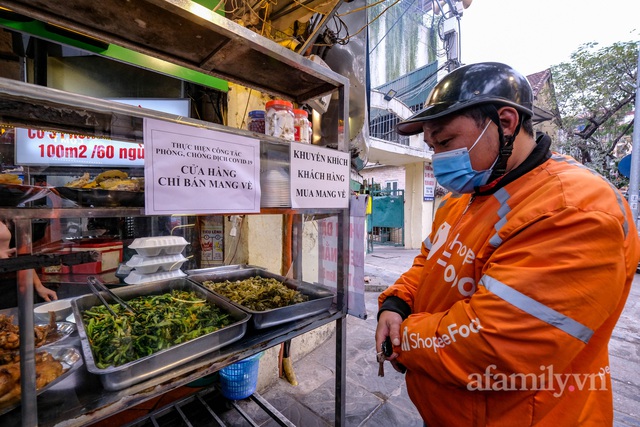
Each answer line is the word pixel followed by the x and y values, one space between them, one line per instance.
pixel 509 308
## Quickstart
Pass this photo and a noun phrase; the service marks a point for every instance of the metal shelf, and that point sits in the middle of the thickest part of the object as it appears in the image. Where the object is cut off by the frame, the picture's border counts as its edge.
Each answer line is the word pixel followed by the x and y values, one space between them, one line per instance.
pixel 185 33
pixel 32 106
pixel 207 407
pixel 84 401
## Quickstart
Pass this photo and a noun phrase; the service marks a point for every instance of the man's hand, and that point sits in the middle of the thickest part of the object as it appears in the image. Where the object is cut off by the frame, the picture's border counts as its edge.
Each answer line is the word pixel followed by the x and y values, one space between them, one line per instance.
pixel 388 326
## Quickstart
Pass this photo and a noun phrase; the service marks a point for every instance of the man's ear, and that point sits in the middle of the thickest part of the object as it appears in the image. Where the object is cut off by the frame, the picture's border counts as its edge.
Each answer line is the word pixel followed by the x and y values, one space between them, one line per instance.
pixel 509 117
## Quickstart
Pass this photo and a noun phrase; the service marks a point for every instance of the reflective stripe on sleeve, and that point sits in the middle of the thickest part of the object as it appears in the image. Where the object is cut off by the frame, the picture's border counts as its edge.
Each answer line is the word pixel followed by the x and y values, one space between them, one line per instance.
pixel 503 197
pixel 536 309
pixel 427 243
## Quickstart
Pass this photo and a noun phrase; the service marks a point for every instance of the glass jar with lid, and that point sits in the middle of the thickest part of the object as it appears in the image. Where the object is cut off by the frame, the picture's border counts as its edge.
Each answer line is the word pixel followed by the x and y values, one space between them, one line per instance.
pixel 256 121
pixel 279 119
pixel 301 126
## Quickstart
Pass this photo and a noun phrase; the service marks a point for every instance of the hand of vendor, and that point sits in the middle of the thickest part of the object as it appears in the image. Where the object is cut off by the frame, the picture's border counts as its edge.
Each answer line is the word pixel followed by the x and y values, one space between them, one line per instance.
pixel 7 252
pixel 44 292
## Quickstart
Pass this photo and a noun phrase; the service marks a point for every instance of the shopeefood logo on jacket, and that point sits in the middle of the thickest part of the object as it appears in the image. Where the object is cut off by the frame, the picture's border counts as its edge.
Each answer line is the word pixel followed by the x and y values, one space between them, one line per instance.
pixel 452 255
pixel 454 332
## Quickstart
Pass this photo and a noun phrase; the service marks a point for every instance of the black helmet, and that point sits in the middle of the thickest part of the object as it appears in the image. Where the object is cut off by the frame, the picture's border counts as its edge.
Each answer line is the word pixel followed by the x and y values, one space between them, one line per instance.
pixel 482 83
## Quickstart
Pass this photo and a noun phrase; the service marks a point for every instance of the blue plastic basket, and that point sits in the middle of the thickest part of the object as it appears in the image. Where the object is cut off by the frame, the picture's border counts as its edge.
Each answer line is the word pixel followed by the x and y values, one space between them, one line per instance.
pixel 239 381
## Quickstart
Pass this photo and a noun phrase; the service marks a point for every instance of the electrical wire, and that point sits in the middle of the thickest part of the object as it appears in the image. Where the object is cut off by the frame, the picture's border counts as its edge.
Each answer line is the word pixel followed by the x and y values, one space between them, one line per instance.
pixel 331 37
pixel 344 40
pixel 412 91
pixel 393 25
pixel 363 8
pixel 301 4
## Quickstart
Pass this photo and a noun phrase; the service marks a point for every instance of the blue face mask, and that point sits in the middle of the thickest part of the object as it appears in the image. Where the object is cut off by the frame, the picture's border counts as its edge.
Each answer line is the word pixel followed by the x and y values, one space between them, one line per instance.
pixel 454 172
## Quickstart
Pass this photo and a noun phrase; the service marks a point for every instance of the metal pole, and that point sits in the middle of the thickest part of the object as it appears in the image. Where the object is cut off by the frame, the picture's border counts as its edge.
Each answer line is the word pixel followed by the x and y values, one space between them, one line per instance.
pixel 634 176
pixel 22 230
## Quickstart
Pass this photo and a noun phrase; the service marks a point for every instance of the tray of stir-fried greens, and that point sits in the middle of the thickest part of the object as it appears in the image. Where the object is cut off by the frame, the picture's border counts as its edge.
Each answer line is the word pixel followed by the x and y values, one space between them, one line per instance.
pixel 271 299
pixel 172 322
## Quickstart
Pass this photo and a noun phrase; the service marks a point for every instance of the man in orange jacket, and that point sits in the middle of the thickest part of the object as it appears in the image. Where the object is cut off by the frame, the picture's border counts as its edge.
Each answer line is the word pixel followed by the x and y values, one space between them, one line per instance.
pixel 505 316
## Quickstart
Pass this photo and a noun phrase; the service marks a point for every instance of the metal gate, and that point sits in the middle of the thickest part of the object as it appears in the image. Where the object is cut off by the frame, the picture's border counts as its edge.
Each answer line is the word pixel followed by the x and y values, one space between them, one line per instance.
pixel 385 225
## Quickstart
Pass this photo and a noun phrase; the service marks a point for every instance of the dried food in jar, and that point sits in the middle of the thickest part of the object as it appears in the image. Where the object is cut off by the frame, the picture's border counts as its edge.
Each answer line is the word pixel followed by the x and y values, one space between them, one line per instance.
pixel 256 121
pixel 279 119
pixel 301 126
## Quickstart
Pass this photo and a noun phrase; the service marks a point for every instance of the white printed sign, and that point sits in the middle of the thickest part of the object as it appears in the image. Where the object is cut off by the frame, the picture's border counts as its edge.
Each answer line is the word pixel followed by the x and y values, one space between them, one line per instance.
pixel 429 183
pixel 48 148
pixel 191 170
pixel 319 177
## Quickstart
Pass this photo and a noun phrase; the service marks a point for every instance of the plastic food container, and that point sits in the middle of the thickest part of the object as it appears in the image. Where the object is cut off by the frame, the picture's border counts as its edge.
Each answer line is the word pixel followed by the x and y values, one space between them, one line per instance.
pixel 256 121
pixel 147 265
pixel 162 245
pixel 279 119
pixel 137 278
pixel 239 381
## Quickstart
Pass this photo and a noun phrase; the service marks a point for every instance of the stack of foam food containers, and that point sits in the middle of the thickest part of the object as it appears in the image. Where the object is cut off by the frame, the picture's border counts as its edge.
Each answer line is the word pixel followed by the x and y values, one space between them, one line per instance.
pixel 158 258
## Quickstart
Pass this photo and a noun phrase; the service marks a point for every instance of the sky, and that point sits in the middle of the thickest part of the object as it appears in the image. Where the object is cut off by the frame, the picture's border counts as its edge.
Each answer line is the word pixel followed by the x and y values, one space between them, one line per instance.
pixel 532 35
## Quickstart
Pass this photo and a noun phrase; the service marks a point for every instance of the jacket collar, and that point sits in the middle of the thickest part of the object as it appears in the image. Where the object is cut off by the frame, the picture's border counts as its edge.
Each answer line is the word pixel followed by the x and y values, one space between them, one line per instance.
pixel 540 154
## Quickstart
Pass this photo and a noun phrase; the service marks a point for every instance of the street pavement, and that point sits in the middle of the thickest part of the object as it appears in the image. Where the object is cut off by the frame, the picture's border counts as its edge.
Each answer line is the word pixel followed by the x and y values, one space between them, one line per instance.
pixel 372 401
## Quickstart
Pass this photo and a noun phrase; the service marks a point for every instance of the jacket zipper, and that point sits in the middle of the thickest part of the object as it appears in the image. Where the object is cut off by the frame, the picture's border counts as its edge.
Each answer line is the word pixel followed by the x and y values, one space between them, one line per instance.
pixel 471 199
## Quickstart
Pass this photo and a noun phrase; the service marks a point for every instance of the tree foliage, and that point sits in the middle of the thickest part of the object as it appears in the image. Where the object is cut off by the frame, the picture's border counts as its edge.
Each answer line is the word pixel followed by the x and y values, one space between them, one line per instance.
pixel 595 93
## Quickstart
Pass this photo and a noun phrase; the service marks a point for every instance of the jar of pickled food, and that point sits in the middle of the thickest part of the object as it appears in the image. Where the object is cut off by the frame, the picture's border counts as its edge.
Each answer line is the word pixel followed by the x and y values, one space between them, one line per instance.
pixel 256 121
pixel 301 126
pixel 279 119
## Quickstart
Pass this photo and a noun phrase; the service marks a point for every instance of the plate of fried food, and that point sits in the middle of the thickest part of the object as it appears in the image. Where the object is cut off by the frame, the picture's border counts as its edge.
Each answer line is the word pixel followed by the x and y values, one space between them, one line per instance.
pixel 113 188
pixel 13 193
pixel 44 334
pixel 53 365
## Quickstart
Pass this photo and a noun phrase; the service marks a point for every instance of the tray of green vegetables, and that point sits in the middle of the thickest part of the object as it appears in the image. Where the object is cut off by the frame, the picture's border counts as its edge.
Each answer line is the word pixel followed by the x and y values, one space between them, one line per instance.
pixel 271 299
pixel 172 322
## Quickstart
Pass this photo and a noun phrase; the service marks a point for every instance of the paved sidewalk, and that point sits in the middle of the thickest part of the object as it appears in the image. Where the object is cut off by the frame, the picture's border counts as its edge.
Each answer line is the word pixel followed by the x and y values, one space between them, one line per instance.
pixel 372 401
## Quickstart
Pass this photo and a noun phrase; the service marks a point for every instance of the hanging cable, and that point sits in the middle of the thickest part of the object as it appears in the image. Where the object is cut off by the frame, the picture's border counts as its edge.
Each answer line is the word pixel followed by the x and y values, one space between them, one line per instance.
pixel 393 25
pixel 345 40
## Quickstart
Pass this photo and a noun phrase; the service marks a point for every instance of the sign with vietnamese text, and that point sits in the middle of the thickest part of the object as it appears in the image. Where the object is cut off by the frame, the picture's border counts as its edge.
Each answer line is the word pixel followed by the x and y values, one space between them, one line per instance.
pixel 38 147
pixel 48 148
pixel 192 170
pixel 319 177
pixel 429 183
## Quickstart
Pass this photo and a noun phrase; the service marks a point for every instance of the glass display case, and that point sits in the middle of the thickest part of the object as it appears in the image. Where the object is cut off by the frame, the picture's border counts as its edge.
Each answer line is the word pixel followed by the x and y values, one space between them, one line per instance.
pixel 81 399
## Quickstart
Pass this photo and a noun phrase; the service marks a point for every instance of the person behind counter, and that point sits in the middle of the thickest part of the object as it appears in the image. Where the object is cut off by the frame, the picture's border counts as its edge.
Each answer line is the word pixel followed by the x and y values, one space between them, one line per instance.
pixel 8 280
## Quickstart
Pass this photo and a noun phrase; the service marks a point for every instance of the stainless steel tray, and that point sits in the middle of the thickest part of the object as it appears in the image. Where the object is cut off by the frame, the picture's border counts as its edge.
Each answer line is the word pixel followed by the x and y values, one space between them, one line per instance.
pixel 320 299
pixel 70 359
pixel 221 269
pixel 119 377
pixel 63 330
